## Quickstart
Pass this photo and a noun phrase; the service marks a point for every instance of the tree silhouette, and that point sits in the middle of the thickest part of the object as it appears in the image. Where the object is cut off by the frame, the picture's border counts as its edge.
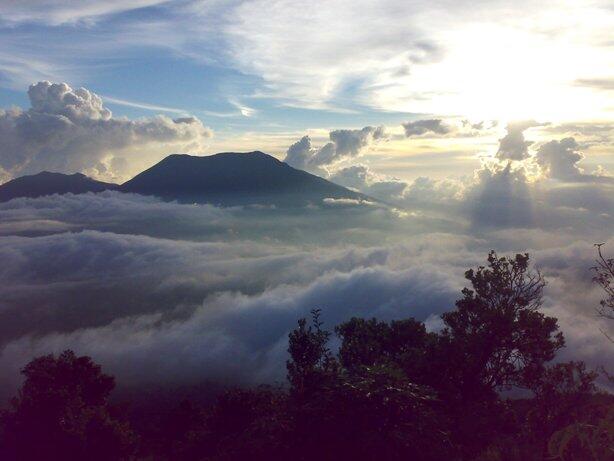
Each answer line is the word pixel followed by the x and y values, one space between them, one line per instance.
pixel 400 343
pixel 604 277
pixel 311 362
pixel 62 413
pixel 561 394
pixel 501 337
pixel 360 405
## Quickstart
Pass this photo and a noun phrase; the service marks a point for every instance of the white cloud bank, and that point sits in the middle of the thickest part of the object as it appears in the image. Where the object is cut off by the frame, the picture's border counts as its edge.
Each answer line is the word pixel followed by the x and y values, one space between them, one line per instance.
pixel 521 184
pixel 69 130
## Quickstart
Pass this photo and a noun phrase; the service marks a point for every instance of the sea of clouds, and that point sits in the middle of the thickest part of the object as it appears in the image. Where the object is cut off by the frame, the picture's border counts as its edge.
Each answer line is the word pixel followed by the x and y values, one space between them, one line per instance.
pixel 170 294
pixel 166 293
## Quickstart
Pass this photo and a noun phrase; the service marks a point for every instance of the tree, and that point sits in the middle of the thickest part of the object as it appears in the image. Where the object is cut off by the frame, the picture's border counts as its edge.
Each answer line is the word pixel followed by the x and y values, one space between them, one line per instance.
pixel 361 404
pixel 241 424
pixel 62 413
pixel 400 343
pixel 494 339
pixel 561 394
pixel 604 277
pixel 496 331
pixel 311 364
pixel 586 440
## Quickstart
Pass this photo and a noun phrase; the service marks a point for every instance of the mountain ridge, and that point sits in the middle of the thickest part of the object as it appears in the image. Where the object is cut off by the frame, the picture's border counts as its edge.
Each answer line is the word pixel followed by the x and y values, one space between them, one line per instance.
pixel 49 183
pixel 227 179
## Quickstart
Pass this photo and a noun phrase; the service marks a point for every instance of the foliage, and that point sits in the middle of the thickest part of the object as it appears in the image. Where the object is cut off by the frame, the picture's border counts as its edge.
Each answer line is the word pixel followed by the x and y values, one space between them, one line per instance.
pixel 499 335
pixel 592 441
pixel 61 413
pixel 312 363
pixel 604 277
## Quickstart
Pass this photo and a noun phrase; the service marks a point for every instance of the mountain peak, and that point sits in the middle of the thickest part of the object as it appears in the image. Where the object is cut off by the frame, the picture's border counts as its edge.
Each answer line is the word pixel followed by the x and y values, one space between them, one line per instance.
pixel 60 176
pixel 227 178
pixel 49 183
pixel 233 178
pixel 244 155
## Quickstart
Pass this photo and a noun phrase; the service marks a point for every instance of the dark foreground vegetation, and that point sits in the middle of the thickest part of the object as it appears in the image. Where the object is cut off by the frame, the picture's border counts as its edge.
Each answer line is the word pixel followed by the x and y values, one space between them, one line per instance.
pixel 482 388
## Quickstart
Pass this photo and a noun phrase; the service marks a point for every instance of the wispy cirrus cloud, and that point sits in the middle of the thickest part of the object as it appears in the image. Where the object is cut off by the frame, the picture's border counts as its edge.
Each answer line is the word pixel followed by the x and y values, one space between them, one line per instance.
pixel 427 57
pixel 143 105
pixel 58 12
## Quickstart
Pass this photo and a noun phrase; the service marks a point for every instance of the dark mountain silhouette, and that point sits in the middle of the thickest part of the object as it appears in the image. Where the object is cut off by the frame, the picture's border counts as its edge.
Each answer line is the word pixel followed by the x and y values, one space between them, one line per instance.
pixel 234 179
pixel 222 179
pixel 47 183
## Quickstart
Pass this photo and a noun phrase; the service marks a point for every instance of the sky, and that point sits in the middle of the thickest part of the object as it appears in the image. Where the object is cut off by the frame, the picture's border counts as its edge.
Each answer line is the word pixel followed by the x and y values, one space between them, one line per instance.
pixel 262 74
pixel 479 124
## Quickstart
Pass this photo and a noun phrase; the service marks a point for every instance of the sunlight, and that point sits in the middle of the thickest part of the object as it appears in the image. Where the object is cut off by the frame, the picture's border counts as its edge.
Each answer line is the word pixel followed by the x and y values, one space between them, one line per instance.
pixel 514 75
pixel 491 72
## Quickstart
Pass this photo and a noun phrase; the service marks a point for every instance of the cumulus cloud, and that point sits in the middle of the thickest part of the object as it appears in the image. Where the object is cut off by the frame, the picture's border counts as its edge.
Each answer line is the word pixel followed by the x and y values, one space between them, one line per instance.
pixel 501 194
pixel 501 197
pixel 61 99
pixel 514 146
pixel 559 160
pixel 299 153
pixel 344 144
pixel 362 179
pixel 421 127
pixel 69 130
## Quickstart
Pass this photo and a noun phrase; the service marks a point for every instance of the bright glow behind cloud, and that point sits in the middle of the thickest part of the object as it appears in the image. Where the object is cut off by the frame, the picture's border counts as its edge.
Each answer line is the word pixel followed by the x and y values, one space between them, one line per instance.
pixel 481 60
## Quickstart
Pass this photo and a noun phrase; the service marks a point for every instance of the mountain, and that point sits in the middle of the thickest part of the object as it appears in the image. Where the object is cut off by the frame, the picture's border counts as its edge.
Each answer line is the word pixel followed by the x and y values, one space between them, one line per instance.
pixel 222 179
pixel 234 179
pixel 47 183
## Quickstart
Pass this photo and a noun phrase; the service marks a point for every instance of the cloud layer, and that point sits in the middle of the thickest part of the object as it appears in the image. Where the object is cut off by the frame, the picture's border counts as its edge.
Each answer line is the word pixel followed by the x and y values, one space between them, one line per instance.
pixel 169 294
